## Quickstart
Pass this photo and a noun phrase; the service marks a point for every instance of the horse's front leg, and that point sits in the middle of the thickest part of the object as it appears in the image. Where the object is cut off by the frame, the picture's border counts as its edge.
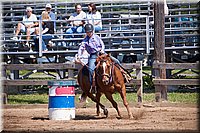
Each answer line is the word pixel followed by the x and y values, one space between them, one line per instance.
pixel 98 95
pixel 123 96
pixel 110 98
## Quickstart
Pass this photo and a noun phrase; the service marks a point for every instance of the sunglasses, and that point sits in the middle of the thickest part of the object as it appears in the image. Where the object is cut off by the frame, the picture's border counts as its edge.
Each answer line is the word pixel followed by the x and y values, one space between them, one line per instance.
pixel 28 11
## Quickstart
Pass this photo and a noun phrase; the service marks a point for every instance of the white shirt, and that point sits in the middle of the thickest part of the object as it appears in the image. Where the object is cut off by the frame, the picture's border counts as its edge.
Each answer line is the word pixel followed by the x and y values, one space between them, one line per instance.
pixel 30 20
pixel 77 17
pixel 94 18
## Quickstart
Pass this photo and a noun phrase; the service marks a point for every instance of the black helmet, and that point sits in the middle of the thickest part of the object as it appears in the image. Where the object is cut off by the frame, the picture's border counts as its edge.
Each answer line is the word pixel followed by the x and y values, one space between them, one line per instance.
pixel 89 28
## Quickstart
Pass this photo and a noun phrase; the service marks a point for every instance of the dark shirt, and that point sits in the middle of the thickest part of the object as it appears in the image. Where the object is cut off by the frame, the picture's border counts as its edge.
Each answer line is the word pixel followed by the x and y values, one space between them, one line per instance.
pixel 50 25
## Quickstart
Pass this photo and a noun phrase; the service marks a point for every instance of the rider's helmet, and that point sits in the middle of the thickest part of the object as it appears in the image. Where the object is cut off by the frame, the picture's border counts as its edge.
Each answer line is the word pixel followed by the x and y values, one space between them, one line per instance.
pixel 89 28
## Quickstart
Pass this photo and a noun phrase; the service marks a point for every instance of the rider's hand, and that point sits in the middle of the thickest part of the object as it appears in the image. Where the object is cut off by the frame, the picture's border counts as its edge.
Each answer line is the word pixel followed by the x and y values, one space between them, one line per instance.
pixel 77 59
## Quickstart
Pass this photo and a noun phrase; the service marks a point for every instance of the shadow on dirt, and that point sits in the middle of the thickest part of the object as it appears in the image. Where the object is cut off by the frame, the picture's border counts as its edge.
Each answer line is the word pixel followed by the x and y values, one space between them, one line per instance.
pixel 78 117
pixel 40 118
pixel 88 117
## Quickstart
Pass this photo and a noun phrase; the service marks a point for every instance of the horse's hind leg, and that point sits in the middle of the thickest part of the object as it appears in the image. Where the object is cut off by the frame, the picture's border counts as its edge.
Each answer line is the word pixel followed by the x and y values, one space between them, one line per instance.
pixel 110 98
pixel 123 96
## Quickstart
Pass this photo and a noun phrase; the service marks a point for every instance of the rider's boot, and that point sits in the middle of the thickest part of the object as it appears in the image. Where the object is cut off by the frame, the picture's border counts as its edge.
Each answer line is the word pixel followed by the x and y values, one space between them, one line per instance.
pixel 127 77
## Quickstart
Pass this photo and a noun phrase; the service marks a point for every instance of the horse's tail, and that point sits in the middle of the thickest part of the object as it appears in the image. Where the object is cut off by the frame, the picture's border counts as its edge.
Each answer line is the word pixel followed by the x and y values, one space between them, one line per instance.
pixel 81 75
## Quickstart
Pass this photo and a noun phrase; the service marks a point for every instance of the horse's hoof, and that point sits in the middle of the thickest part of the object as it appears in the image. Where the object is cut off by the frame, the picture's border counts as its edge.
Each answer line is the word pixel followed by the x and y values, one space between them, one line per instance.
pixel 105 112
pixel 119 117
pixel 130 117
pixel 98 114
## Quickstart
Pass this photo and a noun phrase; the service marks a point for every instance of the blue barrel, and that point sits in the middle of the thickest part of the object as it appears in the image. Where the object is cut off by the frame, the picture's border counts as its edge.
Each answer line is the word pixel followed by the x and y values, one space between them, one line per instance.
pixel 61 99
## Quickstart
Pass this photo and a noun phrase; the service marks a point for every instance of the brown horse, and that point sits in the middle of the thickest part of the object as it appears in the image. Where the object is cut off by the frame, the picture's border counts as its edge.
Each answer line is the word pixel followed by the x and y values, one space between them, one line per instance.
pixel 84 83
pixel 108 80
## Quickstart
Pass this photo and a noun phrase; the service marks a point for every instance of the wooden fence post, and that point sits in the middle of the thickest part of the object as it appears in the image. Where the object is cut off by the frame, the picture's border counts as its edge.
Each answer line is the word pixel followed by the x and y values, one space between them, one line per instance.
pixel 159 46
pixel 139 87
pixel 157 88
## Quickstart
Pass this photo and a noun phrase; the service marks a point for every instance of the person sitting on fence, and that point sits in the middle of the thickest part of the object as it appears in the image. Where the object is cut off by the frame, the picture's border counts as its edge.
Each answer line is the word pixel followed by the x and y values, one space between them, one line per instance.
pixel 94 17
pixel 27 25
pixel 47 31
pixel 76 20
pixel 94 46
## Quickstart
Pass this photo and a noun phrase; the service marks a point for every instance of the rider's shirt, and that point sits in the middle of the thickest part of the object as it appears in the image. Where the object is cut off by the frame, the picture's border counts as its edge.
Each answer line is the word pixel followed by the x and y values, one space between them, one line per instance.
pixel 92 45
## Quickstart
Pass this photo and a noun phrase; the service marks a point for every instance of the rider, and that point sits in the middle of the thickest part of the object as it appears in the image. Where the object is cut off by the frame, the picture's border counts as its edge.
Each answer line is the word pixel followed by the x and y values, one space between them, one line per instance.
pixel 93 44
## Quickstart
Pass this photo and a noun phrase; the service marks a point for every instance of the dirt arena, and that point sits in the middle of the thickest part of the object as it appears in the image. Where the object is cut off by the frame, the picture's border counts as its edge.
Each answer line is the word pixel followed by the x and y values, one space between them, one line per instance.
pixel 154 117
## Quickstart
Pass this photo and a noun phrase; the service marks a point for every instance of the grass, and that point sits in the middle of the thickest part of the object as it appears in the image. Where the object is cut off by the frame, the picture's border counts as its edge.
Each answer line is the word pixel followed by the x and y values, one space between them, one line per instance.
pixel 147 97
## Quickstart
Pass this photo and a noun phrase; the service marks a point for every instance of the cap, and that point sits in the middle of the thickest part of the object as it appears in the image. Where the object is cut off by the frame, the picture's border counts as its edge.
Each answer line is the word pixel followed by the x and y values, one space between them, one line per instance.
pixel 48 6
pixel 29 9
pixel 89 28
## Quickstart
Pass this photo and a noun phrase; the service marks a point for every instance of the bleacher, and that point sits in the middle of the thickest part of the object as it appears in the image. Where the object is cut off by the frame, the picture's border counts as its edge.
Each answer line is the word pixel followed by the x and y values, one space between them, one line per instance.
pixel 127 28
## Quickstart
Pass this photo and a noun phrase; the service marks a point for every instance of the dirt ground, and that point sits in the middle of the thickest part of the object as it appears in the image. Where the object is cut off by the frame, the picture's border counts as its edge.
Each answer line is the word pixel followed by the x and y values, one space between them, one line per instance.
pixel 154 117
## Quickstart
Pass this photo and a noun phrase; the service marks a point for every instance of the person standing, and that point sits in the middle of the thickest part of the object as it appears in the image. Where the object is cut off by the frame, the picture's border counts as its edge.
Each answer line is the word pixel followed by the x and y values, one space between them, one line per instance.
pixel 94 17
pixel 28 24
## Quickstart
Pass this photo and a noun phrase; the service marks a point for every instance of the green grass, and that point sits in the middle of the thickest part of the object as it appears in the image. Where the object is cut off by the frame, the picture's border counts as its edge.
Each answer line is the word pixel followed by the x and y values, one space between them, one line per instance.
pixel 28 99
pixel 184 97
pixel 147 97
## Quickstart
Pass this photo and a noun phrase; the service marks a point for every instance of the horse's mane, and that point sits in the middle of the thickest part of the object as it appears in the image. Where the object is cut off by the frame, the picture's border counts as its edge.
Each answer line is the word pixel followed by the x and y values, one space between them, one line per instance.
pixel 103 57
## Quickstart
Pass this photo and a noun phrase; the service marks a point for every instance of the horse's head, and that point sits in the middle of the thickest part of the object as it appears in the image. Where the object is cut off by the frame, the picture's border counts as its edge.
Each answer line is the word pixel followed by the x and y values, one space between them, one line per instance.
pixel 104 68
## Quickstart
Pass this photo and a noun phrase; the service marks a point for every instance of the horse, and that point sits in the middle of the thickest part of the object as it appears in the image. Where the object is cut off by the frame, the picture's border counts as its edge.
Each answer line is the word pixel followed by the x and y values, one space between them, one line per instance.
pixel 108 79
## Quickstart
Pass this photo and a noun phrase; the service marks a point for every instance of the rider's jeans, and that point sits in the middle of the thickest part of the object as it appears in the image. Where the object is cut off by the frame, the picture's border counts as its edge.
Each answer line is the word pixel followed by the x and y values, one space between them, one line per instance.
pixel 91 63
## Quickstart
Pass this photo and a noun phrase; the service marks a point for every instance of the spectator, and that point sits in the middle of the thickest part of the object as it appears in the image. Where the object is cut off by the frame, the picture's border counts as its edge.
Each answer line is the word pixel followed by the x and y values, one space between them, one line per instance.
pixel 76 20
pixel 52 15
pixel 94 17
pixel 27 25
pixel 93 44
pixel 47 31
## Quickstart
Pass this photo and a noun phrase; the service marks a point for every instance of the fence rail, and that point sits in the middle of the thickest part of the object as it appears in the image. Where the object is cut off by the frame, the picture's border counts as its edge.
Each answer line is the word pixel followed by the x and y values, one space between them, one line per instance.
pixel 158 81
pixel 71 67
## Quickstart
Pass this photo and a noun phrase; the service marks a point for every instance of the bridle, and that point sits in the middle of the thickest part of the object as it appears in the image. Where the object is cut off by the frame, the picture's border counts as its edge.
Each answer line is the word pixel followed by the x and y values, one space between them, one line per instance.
pixel 108 75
